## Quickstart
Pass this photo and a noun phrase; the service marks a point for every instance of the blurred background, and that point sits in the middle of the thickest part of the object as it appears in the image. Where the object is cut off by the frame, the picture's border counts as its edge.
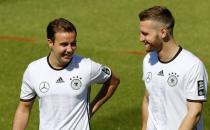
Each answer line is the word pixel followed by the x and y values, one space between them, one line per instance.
pixel 108 32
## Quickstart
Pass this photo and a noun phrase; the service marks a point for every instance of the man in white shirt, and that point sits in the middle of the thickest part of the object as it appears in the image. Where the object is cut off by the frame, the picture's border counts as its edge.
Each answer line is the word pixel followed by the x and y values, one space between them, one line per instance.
pixel 62 82
pixel 176 80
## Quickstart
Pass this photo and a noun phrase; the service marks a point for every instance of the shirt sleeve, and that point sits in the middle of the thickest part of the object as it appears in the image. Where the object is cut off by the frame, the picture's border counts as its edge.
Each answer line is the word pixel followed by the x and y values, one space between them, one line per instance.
pixel 27 90
pixel 197 82
pixel 99 73
pixel 143 70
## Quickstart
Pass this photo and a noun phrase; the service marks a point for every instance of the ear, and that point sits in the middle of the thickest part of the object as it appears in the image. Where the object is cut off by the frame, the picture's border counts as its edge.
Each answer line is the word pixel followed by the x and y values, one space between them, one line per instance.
pixel 50 43
pixel 163 33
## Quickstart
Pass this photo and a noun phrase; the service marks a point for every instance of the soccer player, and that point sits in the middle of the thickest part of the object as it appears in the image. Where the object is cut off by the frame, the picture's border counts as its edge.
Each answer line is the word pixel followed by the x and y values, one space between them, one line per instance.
pixel 61 81
pixel 175 79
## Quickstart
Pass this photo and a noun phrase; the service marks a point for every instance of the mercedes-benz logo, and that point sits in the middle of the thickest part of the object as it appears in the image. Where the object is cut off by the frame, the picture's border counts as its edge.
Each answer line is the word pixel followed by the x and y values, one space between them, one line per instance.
pixel 149 77
pixel 44 87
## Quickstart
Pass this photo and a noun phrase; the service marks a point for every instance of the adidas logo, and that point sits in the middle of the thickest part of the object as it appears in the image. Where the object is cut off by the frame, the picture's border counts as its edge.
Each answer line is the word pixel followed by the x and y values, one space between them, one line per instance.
pixel 161 73
pixel 60 80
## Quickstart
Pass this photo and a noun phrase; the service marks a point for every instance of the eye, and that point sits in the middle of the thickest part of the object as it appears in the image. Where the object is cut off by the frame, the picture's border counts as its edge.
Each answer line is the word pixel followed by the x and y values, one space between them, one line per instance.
pixel 74 43
pixel 144 33
pixel 64 44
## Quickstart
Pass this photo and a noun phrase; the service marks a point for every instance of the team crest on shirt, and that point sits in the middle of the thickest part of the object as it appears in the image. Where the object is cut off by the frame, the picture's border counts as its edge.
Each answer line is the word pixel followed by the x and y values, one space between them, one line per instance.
pixel 76 82
pixel 44 87
pixel 172 79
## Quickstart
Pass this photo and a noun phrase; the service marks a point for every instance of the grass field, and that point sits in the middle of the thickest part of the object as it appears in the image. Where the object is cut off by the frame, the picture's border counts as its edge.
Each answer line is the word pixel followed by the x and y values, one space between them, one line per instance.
pixel 106 31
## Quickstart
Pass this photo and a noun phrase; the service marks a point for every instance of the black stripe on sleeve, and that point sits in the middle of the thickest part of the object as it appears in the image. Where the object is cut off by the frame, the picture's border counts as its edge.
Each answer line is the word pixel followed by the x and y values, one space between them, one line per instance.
pixel 28 100
pixel 190 100
pixel 109 78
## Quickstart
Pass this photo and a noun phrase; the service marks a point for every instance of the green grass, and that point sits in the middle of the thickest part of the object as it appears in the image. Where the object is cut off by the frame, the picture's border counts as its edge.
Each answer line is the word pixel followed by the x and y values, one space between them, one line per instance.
pixel 106 29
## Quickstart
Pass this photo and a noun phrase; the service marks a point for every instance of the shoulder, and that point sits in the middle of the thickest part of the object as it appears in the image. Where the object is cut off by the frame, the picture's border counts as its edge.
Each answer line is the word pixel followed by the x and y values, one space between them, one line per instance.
pixel 189 58
pixel 191 62
pixel 38 63
pixel 35 66
pixel 151 58
pixel 81 60
pixel 84 62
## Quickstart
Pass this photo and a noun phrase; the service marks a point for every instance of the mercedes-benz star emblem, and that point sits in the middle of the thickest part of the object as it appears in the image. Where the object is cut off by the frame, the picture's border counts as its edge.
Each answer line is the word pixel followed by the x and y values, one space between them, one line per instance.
pixel 44 87
pixel 149 77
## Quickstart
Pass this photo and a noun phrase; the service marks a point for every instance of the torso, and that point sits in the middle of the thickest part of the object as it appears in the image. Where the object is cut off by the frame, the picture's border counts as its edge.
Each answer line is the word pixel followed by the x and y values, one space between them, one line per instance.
pixel 167 84
pixel 62 94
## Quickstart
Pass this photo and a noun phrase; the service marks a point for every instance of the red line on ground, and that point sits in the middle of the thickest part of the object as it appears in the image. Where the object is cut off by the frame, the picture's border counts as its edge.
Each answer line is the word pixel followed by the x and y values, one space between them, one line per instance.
pixel 17 39
pixel 136 52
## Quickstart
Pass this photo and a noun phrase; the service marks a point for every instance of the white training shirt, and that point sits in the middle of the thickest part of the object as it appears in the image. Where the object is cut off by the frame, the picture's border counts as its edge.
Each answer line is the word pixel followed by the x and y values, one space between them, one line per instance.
pixel 170 85
pixel 63 94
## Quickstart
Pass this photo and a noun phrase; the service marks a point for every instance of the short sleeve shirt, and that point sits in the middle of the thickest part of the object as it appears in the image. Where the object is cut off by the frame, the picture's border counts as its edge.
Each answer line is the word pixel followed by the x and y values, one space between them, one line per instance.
pixel 170 85
pixel 63 94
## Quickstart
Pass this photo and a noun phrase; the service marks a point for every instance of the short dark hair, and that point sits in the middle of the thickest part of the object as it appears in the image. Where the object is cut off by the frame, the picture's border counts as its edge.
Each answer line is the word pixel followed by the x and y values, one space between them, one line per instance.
pixel 59 25
pixel 159 14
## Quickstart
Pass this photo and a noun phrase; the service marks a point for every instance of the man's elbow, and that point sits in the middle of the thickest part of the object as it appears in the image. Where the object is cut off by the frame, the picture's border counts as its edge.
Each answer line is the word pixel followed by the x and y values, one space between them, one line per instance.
pixel 115 80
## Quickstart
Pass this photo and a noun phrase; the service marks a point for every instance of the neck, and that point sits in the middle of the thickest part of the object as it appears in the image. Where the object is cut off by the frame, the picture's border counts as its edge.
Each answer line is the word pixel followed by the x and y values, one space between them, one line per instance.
pixel 54 62
pixel 168 51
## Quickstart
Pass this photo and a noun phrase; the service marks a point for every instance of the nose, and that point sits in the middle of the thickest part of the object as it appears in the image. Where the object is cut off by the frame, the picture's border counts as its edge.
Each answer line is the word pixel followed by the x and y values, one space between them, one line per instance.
pixel 69 48
pixel 141 38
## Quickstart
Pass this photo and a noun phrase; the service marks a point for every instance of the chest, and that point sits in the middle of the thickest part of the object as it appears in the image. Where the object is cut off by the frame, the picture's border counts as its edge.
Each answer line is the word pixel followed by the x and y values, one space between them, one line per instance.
pixel 164 78
pixel 72 84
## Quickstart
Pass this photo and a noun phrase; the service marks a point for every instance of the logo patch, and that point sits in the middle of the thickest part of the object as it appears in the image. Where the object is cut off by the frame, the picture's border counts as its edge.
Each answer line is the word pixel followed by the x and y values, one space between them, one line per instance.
pixel 149 77
pixel 106 70
pixel 44 87
pixel 60 80
pixel 201 88
pixel 76 82
pixel 172 79
pixel 161 73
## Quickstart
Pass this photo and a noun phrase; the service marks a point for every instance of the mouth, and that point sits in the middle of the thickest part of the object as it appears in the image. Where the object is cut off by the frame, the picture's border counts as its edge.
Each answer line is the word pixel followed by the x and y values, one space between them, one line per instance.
pixel 146 43
pixel 67 56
